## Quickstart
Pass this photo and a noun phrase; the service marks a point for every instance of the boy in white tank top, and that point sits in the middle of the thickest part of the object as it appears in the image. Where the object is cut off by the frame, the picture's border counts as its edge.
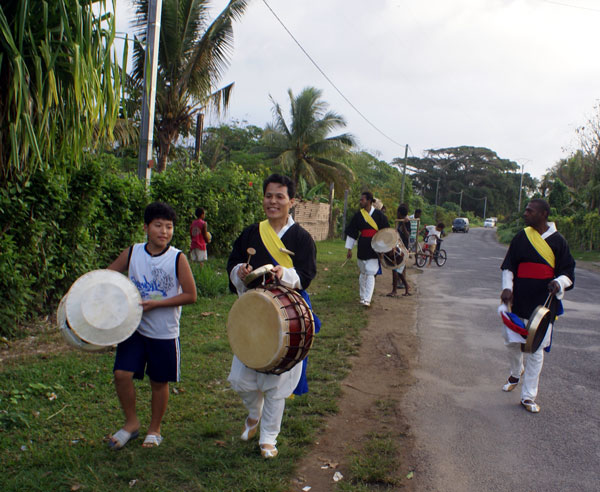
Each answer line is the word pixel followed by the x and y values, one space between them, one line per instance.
pixel 163 276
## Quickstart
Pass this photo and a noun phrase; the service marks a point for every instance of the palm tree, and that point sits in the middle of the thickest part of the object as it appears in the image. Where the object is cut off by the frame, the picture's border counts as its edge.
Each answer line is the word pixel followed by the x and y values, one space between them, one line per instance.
pixel 192 57
pixel 303 147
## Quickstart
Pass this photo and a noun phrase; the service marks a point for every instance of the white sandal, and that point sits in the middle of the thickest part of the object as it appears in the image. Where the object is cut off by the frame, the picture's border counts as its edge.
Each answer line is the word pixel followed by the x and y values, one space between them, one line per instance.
pixel 268 452
pixel 530 406
pixel 249 431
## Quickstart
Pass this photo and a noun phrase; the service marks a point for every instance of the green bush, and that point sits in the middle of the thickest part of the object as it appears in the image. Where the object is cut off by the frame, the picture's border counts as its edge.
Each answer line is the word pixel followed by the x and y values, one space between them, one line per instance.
pixel 57 226
pixel 231 196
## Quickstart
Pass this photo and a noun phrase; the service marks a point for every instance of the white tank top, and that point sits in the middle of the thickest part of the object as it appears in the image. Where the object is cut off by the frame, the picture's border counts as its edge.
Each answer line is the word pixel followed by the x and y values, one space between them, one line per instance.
pixel 156 278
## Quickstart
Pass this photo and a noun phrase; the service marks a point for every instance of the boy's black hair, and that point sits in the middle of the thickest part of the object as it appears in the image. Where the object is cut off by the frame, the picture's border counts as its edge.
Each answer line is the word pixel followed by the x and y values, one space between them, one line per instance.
pixel 441 225
pixel 402 211
pixel 418 211
pixel 541 204
pixel 159 210
pixel 282 180
pixel 199 212
pixel 368 195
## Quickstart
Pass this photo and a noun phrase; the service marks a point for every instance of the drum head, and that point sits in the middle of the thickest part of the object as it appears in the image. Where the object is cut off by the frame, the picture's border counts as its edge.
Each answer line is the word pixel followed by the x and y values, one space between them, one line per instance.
pixel 385 240
pixel 69 335
pixel 255 330
pixel 537 327
pixel 103 307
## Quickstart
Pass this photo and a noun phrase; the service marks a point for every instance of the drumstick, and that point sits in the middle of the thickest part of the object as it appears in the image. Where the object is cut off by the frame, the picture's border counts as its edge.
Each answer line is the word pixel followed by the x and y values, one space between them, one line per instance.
pixel 345 262
pixel 250 251
pixel 283 250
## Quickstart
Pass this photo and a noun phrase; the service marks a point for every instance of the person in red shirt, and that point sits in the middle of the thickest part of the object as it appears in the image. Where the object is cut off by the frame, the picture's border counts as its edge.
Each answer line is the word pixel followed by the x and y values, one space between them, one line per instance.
pixel 200 237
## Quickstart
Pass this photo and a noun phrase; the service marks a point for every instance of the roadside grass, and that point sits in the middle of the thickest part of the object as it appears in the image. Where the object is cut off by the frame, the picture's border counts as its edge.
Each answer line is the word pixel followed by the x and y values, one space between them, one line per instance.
pixel 593 256
pixel 56 409
pixel 375 464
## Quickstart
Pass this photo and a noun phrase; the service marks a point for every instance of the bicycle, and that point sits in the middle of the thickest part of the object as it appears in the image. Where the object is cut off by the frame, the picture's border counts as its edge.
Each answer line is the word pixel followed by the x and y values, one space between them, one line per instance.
pixel 439 256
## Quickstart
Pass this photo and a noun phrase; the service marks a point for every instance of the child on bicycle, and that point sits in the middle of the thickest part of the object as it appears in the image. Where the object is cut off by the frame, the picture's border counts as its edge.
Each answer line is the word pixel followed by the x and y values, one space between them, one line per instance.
pixel 434 235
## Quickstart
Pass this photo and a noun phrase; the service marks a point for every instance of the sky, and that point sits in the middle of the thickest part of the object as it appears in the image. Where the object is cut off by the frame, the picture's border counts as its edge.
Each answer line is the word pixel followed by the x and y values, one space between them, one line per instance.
pixel 515 76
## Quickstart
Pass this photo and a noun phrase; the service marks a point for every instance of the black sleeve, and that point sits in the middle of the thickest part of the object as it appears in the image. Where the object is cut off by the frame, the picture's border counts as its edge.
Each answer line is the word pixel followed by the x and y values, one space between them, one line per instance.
pixel 305 258
pixel 565 263
pixel 238 255
pixel 511 262
pixel 352 229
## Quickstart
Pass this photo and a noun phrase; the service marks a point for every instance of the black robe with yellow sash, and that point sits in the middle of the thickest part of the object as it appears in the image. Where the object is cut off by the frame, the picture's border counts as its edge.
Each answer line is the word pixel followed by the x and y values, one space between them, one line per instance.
pixel 532 273
pixel 295 239
pixel 357 225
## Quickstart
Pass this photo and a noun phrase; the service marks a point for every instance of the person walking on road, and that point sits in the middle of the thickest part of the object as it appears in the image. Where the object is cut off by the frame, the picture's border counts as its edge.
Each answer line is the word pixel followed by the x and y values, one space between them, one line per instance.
pixel 538 262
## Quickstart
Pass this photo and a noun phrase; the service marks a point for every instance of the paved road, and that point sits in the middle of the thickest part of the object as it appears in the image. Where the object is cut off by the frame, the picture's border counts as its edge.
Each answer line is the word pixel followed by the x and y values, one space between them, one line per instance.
pixel 470 435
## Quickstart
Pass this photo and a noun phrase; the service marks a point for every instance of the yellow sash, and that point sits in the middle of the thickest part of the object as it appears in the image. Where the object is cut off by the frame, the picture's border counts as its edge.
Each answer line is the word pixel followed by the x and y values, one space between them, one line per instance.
pixel 369 219
pixel 540 245
pixel 273 244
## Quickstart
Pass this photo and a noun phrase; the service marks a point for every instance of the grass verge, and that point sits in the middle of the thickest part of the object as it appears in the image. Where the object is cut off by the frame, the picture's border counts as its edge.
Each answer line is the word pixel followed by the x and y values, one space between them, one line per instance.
pixel 57 408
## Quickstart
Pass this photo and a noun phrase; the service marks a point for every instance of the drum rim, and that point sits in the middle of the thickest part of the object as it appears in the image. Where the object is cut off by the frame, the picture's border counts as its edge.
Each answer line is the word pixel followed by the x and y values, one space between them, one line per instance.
pixel 388 246
pixel 533 326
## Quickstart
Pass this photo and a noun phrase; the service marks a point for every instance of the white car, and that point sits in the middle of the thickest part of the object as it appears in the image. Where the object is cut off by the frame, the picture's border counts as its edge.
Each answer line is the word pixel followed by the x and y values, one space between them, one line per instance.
pixel 489 223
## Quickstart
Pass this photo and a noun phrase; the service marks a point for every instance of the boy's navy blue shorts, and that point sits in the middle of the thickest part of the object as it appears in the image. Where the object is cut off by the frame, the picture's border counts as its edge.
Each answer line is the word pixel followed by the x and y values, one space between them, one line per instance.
pixel 160 359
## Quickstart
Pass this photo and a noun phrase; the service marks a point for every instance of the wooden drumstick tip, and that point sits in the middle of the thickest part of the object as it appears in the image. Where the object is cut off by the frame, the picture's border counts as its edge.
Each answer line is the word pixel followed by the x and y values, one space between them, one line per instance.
pixel 250 251
pixel 284 250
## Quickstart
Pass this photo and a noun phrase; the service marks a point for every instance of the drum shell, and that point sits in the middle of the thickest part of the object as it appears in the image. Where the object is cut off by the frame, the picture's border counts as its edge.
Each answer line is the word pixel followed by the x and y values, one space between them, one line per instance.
pixel 280 333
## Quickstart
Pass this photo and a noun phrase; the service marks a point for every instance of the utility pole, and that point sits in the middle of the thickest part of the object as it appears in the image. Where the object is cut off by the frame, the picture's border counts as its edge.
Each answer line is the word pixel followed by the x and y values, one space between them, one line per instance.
pixel 520 188
pixel 437 187
pixel 460 202
pixel 404 174
pixel 149 90
pixel 484 207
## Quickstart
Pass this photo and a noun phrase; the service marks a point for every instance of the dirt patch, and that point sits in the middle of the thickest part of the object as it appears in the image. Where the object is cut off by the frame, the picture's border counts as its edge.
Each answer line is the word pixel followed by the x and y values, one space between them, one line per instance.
pixel 371 395
pixel 40 337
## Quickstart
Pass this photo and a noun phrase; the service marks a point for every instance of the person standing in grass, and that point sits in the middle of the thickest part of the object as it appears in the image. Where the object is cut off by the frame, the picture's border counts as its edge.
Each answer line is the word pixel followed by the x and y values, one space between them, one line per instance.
pixel 200 238
pixel 163 276
pixel 364 225
pixel 262 394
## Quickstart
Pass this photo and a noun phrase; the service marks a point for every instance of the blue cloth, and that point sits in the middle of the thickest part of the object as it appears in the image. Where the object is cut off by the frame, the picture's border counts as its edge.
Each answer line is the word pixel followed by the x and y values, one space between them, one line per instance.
pixel 302 386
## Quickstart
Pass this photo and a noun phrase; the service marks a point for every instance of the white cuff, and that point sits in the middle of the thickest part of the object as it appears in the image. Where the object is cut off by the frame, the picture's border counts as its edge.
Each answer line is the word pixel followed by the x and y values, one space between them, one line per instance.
pixel 237 282
pixel 565 283
pixel 290 278
pixel 350 242
pixel 507 280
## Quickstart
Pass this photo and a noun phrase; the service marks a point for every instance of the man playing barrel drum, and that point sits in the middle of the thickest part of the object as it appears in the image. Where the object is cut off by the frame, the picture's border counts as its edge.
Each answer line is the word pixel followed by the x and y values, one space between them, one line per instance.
pixel 363 226
pixel 538 263
pixel 278 240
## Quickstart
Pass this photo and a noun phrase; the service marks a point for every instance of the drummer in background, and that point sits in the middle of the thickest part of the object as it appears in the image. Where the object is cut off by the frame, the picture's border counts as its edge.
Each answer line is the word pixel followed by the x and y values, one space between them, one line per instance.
pixel 403 228
pixel 538 261
pixel 262 394
pixel 363 226
pixel 163 276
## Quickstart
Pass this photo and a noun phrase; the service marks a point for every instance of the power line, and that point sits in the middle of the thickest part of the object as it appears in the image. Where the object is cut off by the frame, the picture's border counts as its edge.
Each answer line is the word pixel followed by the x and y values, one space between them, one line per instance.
pixel 571 5
pixel 327 78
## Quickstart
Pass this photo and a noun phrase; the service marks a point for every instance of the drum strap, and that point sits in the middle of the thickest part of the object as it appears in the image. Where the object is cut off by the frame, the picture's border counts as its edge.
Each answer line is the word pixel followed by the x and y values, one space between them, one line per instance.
pixel 368 219
pixel 273 243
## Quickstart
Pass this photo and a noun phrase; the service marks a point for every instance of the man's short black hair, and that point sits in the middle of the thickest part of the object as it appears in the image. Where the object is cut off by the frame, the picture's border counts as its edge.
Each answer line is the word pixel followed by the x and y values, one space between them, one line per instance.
pixel 441 225
pixel 402 211
pixel 282 180
pixel 199 212
pixel 159 210
pixel 418 211
pixel 541 204
pixel 368 195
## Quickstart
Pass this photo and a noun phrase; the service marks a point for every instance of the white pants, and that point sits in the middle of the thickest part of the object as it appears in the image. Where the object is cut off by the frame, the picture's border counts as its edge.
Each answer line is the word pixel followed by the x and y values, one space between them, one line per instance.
pixel 264 395
pixel 268 410
pixel 533 366
pixel 366 279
